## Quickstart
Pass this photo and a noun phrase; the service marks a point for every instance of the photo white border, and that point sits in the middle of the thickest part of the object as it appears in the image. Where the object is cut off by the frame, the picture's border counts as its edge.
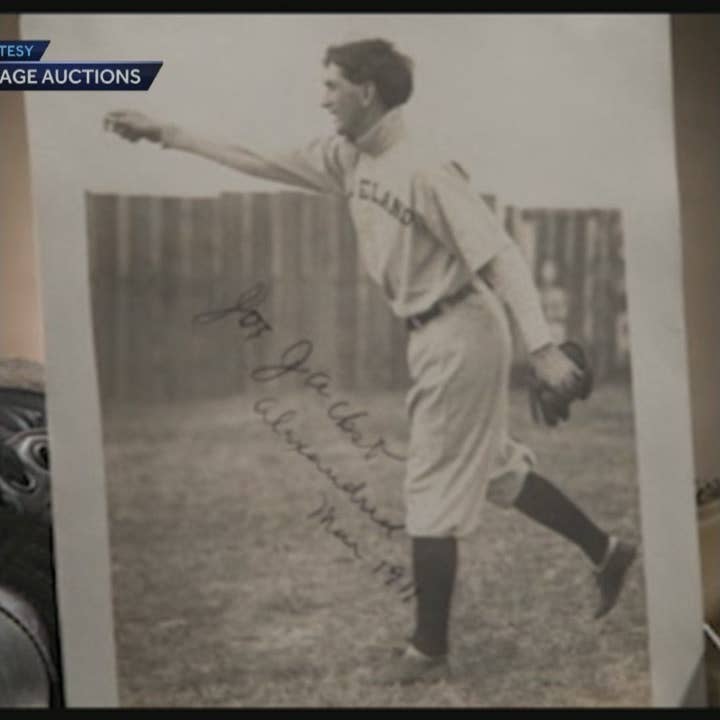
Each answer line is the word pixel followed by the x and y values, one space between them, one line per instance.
pixel 82 550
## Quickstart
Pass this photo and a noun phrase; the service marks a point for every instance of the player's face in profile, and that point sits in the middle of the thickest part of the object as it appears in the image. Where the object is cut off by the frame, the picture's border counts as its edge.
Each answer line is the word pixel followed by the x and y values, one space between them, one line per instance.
pixel 342 99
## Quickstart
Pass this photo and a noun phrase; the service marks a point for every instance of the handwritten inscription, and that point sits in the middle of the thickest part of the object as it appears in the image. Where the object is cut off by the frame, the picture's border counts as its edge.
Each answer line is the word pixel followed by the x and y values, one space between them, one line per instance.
pixel 393 574
pixel 245 309
pixel 279 420
pixel 325 515
pixel 345 419
pixel 294 360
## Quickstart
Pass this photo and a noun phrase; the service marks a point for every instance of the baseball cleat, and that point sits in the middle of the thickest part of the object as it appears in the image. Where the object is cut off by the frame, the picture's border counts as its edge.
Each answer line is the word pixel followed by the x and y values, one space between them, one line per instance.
pixel 413 667
pixel 610 578
pixel 399 648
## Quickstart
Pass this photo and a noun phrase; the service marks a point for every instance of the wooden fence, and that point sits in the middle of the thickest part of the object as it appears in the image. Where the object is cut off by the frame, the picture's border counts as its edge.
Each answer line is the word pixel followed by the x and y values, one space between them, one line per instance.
pixel 155 262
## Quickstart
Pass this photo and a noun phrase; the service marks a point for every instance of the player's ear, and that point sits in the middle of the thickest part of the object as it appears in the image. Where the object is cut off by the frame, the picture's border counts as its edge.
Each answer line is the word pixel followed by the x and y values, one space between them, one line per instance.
pixel 368 93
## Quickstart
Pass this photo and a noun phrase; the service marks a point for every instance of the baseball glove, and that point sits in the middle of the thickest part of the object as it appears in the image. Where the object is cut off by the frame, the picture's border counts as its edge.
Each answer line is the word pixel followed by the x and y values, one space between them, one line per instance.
pixel 549 406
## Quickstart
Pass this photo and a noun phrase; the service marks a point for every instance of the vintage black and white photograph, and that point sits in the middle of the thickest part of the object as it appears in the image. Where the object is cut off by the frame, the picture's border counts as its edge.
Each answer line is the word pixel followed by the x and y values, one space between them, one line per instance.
pixel 365 353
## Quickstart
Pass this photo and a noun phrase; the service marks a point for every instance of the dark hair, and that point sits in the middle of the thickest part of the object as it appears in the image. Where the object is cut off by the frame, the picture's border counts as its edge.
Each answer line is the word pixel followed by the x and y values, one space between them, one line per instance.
pixel 375 61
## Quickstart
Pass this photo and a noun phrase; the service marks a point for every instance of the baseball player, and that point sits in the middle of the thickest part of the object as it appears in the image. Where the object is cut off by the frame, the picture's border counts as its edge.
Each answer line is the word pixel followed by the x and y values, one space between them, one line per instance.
pixel 449 269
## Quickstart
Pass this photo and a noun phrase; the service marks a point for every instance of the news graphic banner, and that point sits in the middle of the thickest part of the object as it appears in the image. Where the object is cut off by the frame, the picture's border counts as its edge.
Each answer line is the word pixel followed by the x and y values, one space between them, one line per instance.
pixel 28 51
pixel 21 69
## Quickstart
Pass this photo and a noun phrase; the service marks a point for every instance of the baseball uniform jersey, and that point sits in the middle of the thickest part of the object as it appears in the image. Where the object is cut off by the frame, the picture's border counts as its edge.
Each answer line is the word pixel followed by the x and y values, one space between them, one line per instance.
pixel 423 232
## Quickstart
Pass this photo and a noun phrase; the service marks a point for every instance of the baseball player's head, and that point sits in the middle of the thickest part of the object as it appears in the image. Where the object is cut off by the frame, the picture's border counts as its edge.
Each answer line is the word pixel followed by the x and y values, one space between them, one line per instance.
pixel 363 80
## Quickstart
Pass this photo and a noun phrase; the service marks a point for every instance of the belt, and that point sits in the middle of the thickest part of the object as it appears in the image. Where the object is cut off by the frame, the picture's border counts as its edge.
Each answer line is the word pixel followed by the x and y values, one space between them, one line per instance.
pixel 415 322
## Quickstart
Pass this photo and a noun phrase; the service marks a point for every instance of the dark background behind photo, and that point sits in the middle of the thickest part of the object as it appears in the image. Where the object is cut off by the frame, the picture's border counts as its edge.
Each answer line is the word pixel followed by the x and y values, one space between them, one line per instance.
pixel 696 66
pixel 696 47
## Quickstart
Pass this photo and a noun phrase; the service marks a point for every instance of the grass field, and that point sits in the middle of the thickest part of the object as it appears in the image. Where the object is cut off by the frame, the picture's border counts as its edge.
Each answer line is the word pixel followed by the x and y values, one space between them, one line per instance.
pixel 228 594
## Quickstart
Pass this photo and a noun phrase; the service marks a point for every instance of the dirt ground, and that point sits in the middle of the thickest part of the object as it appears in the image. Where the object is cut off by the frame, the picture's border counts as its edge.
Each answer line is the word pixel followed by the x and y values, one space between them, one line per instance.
pixel 243 577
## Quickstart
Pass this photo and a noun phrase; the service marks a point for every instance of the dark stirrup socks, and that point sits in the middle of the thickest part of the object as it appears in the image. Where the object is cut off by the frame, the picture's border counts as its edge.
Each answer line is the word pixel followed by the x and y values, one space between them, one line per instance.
pixel 434 569
pixel 541 501
pixel 435 559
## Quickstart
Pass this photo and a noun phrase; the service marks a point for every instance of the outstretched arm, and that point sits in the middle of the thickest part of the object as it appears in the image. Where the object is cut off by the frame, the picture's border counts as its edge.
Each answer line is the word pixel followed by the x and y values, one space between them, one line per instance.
pixel 319 166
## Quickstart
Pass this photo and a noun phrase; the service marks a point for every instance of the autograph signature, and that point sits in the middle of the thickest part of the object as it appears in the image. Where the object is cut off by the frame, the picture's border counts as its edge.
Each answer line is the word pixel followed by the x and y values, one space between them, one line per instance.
pixel 295 360
pixel 278 425
pixel 245 308
pixel 393 574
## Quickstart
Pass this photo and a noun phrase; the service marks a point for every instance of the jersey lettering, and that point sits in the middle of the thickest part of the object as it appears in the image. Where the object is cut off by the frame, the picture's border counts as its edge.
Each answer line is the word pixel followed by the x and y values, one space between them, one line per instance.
pixel 393 205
